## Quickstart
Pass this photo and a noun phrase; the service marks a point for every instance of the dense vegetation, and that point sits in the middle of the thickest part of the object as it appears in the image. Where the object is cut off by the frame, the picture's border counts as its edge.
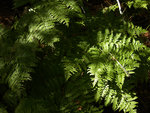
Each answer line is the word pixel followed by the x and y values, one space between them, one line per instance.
pixel 73 56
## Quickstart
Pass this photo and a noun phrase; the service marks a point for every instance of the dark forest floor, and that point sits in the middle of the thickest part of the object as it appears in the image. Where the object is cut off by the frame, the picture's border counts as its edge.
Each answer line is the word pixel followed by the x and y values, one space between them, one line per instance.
pixel 7 14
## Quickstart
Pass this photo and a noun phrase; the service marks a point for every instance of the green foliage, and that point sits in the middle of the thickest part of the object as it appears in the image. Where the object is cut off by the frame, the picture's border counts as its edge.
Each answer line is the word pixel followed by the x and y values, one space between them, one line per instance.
pixel 59 59
pixel 138 3
pixel 128 3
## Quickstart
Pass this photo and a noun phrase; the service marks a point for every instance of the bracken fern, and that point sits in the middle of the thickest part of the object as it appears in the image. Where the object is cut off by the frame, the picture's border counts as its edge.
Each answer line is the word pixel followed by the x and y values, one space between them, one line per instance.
pixel 58 58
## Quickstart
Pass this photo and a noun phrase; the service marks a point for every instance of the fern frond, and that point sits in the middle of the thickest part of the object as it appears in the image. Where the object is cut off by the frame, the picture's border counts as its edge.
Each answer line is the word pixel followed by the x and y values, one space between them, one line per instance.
pixel 3 109
pixel 135 3
pixel 70 68
pixel 138 4
pixel 112 61
pixel 23 62
pixel 55 60
pixel 30 105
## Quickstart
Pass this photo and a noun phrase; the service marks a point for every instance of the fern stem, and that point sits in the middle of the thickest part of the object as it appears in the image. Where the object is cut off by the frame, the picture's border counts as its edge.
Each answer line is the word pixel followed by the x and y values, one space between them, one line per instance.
pixel 120 65
pixel 83 9
pixel 119 7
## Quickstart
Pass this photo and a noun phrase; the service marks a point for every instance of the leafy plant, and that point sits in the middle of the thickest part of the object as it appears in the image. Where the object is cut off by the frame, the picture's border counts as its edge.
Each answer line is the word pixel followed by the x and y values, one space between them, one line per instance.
pixel 59 57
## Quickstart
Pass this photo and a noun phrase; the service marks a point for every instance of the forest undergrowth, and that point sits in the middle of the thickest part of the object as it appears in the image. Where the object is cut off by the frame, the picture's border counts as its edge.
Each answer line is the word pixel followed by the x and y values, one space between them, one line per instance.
pixel 75 56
